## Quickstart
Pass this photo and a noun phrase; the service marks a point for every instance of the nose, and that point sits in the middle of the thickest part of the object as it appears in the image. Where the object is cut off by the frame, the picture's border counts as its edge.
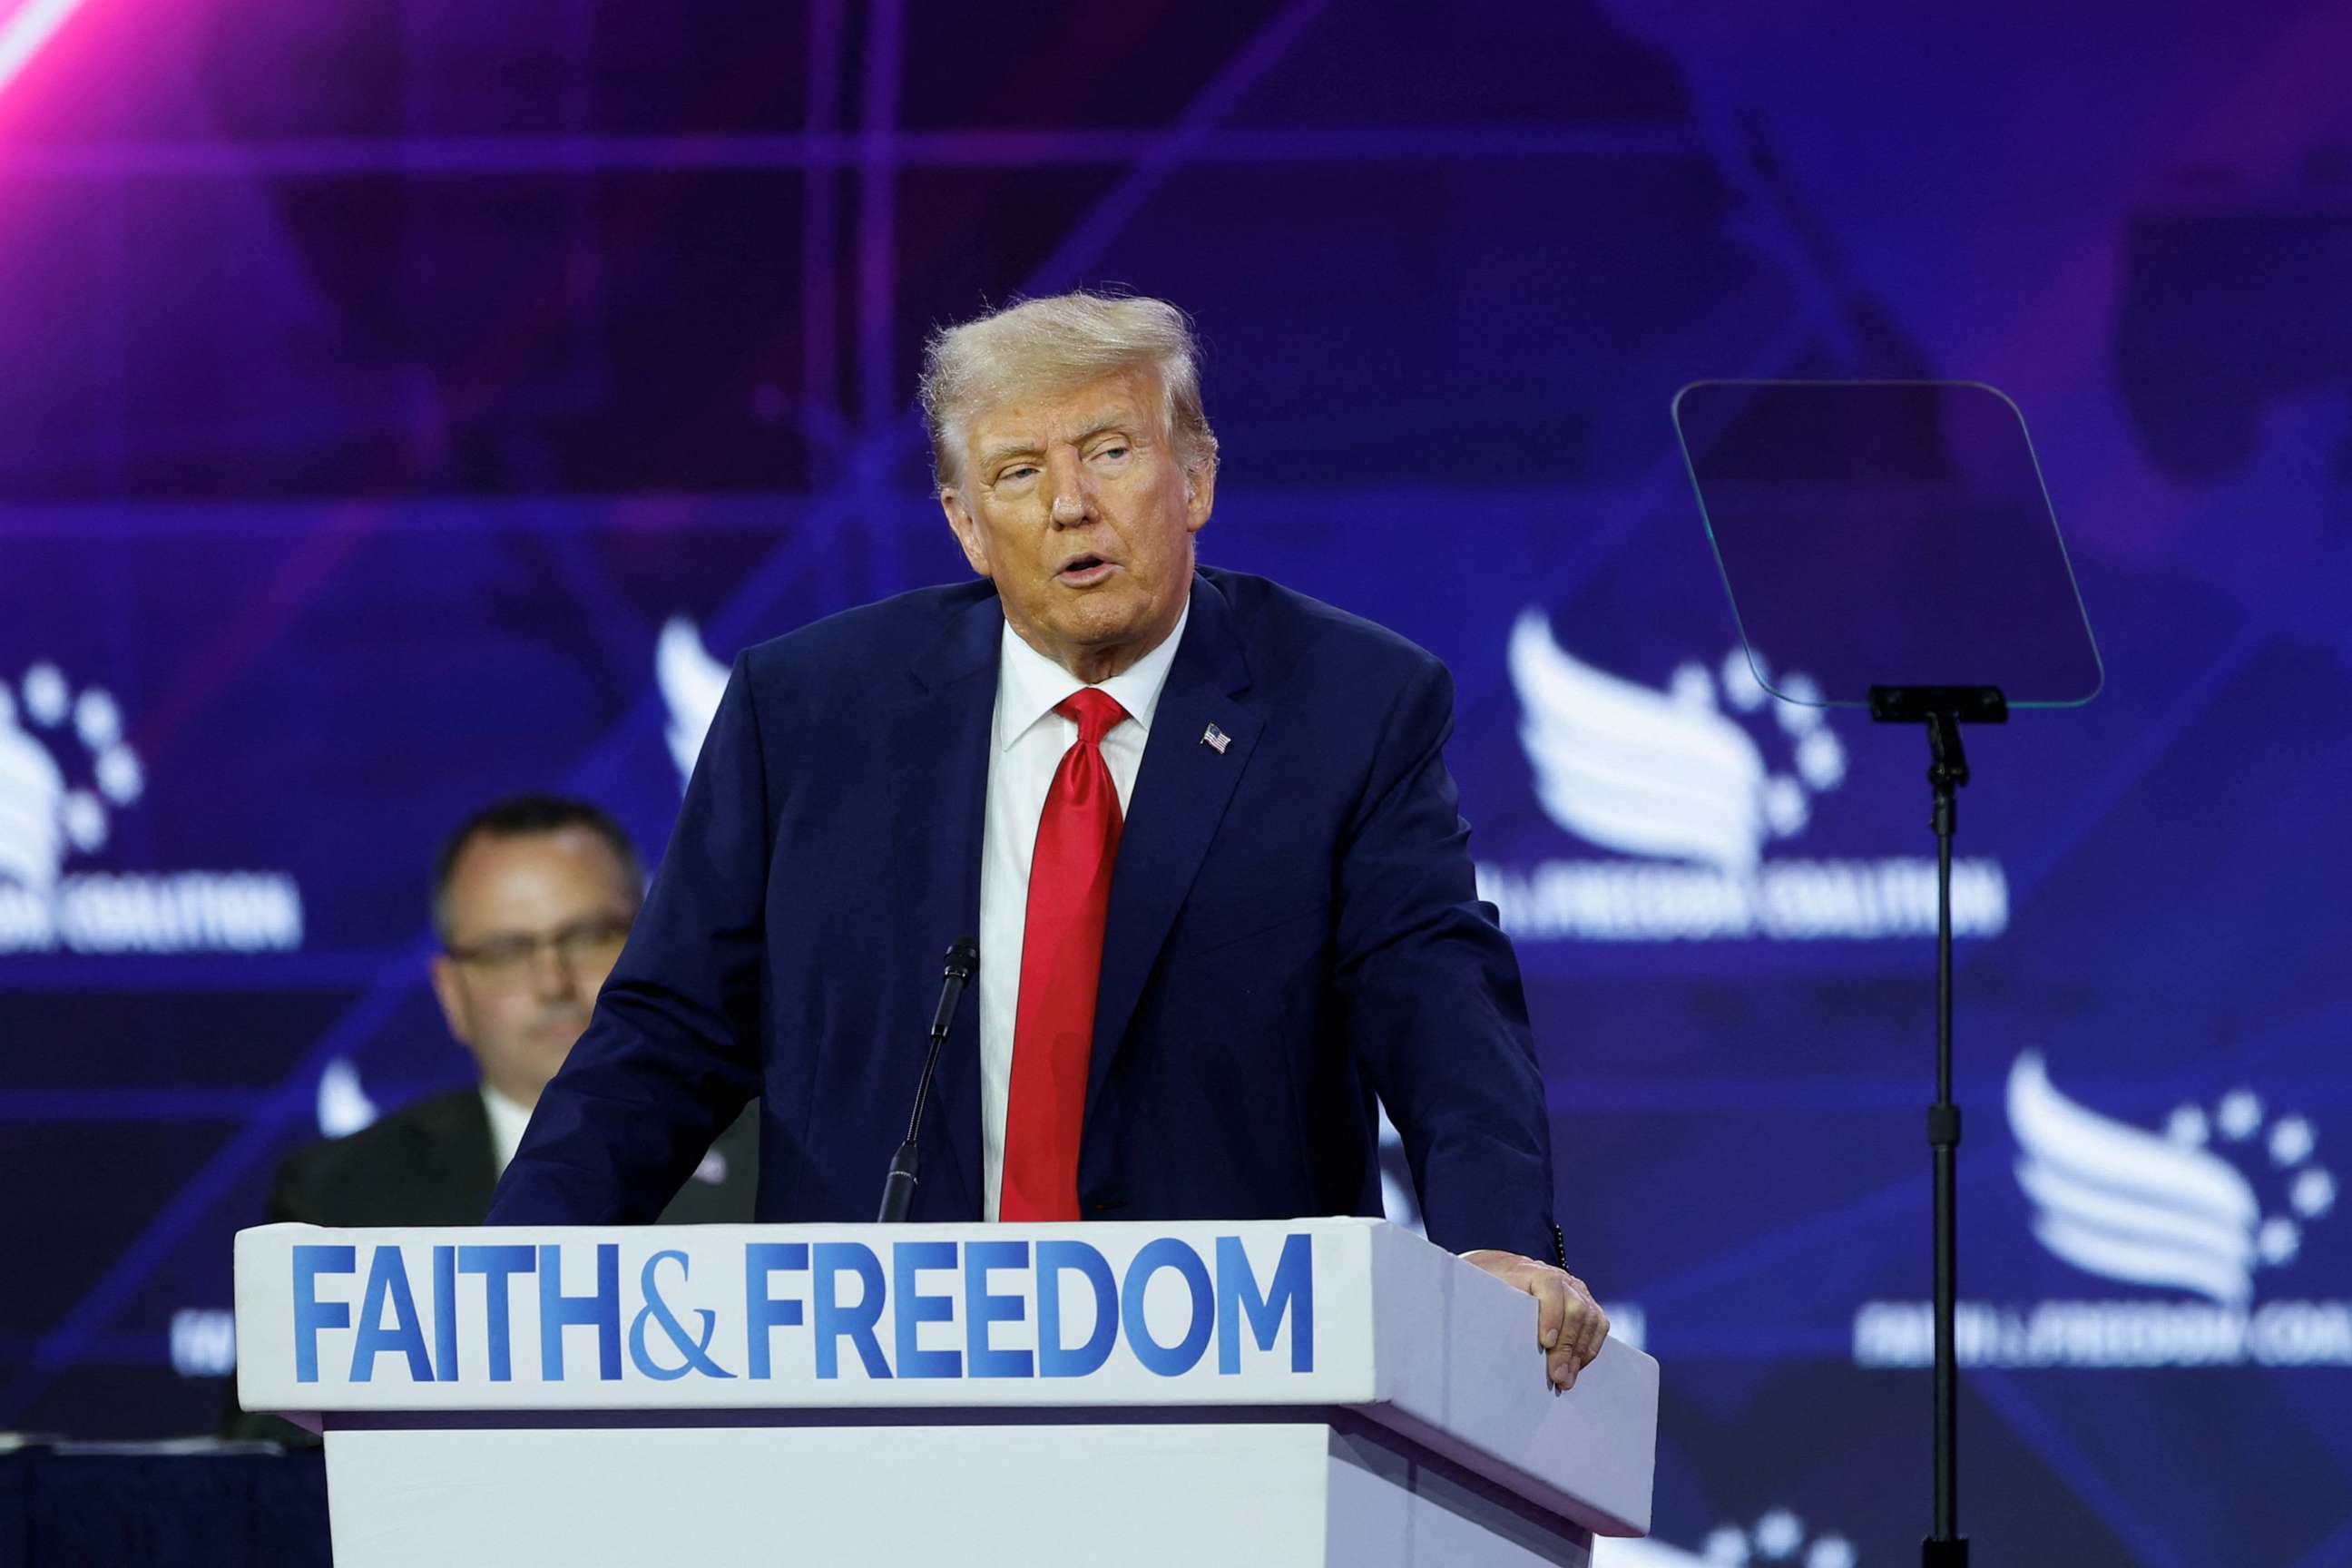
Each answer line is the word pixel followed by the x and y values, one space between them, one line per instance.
pixel 1073 499
pixel 551 978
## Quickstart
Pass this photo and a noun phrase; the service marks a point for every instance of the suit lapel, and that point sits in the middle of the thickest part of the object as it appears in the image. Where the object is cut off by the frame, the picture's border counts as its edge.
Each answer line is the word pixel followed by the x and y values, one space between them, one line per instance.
pixel 1180 794
pixel 934 754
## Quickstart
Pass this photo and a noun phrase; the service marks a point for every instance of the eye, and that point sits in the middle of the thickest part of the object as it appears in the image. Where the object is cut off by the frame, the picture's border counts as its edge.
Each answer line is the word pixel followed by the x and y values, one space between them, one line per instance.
pixel 1015 474
pixel 1115 450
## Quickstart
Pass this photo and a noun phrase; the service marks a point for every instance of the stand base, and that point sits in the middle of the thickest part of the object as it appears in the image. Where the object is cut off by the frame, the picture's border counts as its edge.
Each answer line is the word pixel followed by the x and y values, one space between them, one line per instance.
pixel 1934 1554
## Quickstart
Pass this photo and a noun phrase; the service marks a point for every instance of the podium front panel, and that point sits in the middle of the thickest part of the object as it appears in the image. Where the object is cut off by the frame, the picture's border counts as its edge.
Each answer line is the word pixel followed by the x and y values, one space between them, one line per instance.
pixel 1148 1494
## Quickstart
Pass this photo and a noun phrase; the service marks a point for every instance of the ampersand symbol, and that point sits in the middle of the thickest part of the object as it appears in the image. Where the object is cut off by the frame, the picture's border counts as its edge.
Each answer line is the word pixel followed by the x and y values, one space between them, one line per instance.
pixel 695 1350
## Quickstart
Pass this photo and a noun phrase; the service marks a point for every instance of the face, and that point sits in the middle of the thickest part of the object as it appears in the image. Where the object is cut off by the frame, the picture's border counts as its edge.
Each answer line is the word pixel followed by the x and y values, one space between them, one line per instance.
pixel 1077 504
pixel 535 922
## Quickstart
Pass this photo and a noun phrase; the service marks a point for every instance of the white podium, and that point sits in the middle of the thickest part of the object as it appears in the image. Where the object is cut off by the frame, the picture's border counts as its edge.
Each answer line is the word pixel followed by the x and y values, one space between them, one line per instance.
pixel 1316 1391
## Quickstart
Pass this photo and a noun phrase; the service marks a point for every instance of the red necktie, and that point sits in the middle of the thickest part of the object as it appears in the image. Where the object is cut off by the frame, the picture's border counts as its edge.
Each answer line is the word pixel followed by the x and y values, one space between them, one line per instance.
pixel 1061 968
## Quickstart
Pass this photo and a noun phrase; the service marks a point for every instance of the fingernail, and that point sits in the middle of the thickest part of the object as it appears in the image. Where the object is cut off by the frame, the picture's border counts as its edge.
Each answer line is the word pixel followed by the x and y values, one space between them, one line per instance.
pixel 1552 1338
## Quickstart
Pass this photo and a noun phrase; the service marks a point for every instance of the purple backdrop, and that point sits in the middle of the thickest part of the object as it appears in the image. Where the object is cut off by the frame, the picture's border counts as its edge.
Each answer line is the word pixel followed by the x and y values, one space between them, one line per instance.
pixel 404 404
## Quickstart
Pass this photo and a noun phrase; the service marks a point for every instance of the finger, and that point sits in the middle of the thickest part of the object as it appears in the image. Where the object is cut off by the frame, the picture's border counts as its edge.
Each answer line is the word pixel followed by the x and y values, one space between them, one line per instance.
pixel 1599 1335
pixel 1575 1312
pixel 1592 1323
pixel 1581 1319
pixel 1549 1288
pixel 1587 1328
pixel 1565 1358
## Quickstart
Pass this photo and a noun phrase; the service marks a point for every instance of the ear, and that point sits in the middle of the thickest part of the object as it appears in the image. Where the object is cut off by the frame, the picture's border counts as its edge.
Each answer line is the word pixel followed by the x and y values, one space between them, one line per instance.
pixel 448 990
pixel 967 531
pixel 1199 496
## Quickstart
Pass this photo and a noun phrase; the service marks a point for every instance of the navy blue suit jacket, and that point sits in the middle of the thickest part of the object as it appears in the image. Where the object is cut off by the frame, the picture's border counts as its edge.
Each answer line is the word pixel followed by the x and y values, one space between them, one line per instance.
pixel 1292 927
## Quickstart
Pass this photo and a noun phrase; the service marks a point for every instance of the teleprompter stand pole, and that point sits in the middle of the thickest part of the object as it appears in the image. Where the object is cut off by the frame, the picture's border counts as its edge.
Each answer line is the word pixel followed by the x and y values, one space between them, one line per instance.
pixel 1942 708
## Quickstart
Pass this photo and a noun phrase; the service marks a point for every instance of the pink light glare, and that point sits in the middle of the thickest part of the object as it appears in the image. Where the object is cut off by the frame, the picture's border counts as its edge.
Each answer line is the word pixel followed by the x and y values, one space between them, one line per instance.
pixel 24 30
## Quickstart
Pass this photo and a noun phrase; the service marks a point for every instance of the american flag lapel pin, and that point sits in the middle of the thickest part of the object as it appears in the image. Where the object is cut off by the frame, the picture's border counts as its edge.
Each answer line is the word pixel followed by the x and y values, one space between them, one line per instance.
pixel 1216 739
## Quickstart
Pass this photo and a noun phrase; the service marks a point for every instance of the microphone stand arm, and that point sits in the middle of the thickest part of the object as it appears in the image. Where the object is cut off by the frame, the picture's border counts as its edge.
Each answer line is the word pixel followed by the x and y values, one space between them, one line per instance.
pixel 899 1186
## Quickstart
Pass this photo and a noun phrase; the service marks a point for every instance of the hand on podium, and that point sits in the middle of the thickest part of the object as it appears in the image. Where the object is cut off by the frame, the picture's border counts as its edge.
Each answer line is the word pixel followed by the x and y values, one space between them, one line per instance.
pixel 1569 1325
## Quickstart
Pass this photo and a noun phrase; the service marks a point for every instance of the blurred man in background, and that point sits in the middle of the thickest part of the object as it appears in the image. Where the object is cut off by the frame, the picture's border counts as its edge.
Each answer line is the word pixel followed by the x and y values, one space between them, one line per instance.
pixel 532 896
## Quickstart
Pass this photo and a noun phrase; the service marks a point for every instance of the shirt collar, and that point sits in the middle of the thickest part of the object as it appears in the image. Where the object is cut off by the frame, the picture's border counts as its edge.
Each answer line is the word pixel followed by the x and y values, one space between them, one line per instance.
pixel 1029 686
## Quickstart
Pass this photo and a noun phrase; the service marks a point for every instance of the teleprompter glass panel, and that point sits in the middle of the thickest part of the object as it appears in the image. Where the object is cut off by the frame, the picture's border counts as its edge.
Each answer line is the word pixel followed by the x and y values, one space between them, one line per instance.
pixel 1887 534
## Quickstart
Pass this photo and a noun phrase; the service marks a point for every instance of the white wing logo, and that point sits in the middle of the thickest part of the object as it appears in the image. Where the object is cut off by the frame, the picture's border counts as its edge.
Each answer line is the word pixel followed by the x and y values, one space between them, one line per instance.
pixel 691 683
pixel 40 817
pixel 1662 774
pixel 2160 1208
pixel 32 793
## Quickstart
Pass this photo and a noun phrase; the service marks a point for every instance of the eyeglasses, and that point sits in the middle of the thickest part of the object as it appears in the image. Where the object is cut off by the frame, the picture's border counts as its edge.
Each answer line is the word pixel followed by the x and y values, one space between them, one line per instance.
pixel 580 944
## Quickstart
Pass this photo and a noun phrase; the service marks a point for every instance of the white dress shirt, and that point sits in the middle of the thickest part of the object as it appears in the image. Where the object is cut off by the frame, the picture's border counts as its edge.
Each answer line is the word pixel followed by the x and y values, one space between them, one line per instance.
pixel 508 1120
pixel 1028 739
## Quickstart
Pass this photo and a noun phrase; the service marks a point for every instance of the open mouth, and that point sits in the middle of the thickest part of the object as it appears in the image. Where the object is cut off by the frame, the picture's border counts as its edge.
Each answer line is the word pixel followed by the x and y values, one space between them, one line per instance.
pixel 1083 571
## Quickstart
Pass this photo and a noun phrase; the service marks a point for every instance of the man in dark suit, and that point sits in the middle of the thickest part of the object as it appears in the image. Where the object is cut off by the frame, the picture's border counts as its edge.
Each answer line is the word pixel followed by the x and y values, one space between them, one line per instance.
pixel 1201 825
pixel 532 896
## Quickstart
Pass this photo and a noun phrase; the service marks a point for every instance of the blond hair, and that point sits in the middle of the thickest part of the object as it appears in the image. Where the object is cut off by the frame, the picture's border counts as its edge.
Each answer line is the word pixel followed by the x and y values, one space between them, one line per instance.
pixel 1055 343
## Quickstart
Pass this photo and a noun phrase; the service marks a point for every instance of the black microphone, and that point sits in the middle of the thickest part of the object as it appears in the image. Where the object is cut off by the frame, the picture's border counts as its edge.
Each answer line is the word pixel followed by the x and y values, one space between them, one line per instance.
pixel 898 1187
